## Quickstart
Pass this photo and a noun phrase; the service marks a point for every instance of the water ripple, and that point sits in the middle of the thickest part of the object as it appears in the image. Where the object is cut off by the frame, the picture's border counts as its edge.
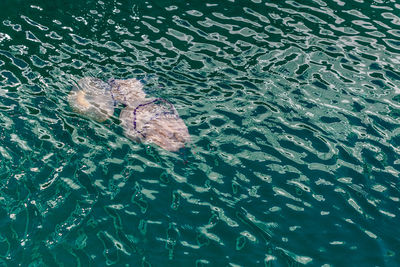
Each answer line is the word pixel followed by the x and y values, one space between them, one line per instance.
pixel 293 109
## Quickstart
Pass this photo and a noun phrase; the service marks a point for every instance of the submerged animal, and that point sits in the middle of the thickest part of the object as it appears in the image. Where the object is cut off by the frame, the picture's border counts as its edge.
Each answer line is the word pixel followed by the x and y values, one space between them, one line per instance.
pixel 144 119
pixel 92 98
pixel 126 91
pixel 155 120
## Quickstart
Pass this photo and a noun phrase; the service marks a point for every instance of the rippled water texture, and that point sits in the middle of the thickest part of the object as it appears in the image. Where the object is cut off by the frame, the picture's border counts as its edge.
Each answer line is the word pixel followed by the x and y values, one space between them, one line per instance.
pixel 294 112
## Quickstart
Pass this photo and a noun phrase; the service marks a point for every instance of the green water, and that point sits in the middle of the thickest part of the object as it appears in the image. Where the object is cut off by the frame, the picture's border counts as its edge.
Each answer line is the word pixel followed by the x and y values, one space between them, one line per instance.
pixel 293 108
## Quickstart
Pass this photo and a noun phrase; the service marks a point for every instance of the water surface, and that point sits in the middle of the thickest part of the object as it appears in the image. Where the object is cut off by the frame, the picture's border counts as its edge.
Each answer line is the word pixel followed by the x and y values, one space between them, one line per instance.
pixel 293 107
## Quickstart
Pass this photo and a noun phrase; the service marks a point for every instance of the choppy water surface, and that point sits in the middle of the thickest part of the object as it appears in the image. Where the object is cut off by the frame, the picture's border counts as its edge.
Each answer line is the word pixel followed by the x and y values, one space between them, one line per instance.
pixel 293 107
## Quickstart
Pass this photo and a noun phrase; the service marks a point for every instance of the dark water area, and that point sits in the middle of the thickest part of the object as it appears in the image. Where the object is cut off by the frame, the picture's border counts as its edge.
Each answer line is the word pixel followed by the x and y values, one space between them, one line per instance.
pixel 294 112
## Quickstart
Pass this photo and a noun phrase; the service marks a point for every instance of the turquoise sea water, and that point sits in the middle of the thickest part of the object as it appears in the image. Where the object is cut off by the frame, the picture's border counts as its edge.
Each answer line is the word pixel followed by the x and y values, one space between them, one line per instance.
pixel 294 112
